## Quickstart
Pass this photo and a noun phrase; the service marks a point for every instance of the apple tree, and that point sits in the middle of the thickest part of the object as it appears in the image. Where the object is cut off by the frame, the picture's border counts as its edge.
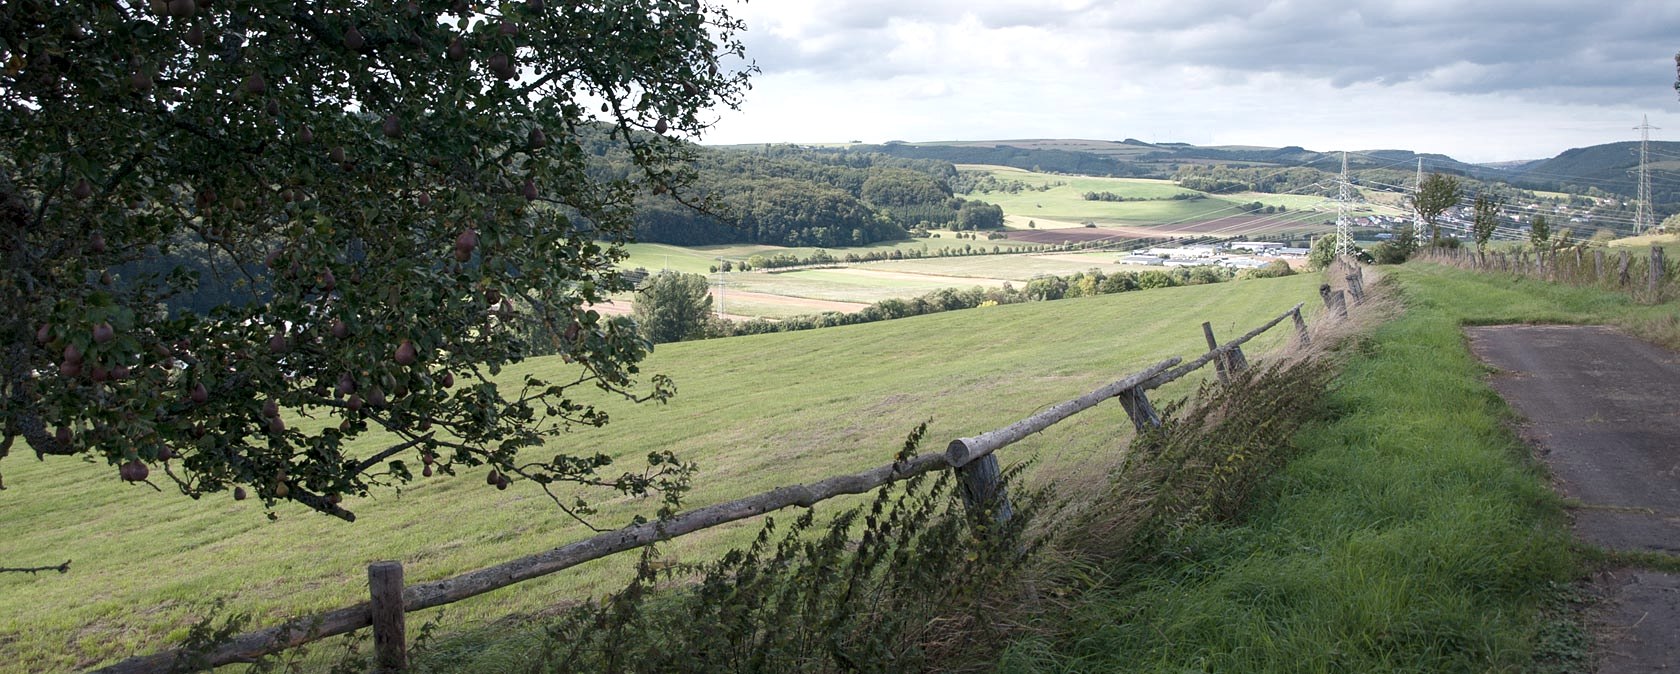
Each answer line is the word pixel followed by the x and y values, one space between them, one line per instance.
pixel 390 201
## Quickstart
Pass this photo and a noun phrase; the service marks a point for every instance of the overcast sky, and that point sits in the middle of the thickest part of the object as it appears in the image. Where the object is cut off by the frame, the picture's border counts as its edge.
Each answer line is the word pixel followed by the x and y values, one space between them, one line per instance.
pixel 1480 80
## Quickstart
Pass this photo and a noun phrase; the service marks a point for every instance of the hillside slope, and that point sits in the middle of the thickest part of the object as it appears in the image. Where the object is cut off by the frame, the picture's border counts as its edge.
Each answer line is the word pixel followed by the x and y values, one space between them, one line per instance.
pixel 754 412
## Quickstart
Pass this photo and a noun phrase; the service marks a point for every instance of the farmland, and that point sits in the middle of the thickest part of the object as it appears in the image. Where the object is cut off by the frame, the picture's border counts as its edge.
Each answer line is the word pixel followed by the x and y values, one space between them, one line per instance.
pixel 1149 203
pixel 755 412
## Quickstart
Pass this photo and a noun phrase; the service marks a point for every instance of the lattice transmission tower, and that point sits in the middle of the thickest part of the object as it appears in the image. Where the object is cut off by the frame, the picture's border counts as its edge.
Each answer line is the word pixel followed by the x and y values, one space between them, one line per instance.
pixel 1417 215
pixel 1344 201
pixel 1644 218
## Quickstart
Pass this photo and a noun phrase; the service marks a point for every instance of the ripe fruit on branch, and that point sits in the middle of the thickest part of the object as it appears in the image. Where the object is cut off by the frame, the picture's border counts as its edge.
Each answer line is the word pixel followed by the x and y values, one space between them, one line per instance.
pixel 239 494
pixel 392 127
pixel 353 39
pixel 43 334
pixel 277 344
pixel 406 354
pixel 530 190
pixel 340 329
pixel 255 84
pixel 448 380
pixel 133 471
pixel 537 139
pixel 103 333
pixel 200 395
pixel 457 50
pixel 464 245
pixel 502 66
pixel 72 354
pixel 493 477
pixel 96 242
pixel 82 189
pixel 346 384
pixel 271 409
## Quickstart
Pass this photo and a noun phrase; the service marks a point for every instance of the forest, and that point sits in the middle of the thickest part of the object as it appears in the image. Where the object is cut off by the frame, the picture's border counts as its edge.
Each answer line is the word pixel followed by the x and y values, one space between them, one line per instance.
pixel 796 196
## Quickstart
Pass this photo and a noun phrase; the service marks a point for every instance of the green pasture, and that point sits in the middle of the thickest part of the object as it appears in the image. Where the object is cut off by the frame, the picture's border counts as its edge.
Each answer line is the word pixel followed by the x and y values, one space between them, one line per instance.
pixel 754 412
pixel 1065 203
pixel 699 259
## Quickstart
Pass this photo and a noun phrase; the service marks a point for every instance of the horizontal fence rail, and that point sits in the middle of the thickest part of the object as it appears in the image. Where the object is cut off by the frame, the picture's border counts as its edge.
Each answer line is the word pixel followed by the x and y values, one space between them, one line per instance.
pixel 973 458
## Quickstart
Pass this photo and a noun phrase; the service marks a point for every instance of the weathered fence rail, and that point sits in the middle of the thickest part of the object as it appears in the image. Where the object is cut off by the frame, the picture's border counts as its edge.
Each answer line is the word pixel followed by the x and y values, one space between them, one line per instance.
pixel 973 458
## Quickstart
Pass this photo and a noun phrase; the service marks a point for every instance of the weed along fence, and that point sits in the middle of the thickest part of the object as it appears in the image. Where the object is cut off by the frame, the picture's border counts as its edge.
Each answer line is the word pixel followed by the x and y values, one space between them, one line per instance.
pixel 1646 275
pixel 973 459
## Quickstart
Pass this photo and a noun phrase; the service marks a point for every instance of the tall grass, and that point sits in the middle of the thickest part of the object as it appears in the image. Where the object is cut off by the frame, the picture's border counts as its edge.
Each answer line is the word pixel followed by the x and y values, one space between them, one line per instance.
pixel 1410 533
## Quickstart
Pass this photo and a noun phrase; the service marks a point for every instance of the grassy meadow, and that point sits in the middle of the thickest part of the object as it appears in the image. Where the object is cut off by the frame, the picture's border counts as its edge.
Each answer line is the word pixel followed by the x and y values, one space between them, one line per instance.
pixel 754 412
pixel 1065 202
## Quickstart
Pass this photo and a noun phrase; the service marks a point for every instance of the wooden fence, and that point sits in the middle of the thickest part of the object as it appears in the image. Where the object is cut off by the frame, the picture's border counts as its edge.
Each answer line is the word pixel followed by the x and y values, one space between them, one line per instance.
pixel 1646 276
pixel 973 459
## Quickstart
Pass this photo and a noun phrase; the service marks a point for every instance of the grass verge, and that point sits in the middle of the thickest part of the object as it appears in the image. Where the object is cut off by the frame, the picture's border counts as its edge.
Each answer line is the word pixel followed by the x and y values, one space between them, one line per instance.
pixel 1411 533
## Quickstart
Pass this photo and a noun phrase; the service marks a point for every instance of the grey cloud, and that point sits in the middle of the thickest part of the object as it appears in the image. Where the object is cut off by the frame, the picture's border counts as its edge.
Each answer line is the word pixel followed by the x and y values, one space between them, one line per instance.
pixel 1578 51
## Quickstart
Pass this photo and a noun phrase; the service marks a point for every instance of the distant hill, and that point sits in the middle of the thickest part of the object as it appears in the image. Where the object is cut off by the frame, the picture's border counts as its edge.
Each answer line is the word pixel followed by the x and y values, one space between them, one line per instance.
pixel 1611 168
pixel 1600 170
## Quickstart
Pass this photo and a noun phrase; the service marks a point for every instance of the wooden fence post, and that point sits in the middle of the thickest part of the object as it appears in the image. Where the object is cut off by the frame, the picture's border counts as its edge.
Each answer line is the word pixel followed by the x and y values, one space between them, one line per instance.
pixel 1656 270
pixel 1139 408
pixel 1220 363
pixel 982 488
pixel 1598 266
pixel 1300 328
pixel 1356 286
pixel 390 634
pixel 1622 277
pixel 1336 302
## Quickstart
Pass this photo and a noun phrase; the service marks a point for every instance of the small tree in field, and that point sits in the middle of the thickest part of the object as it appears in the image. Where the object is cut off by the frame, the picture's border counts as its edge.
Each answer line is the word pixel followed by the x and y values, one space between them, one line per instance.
pixel 1434 196
pixel 389 202
pixel 673 307
pixel 1539 232
pixel 1486 220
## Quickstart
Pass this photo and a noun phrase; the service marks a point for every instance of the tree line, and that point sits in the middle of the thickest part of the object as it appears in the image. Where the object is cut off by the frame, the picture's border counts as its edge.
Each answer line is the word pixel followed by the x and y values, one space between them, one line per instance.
pixel 794 196
pixel 675 294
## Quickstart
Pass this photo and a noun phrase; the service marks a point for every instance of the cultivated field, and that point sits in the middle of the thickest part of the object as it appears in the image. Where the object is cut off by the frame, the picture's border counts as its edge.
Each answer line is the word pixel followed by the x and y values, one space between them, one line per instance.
pixel 1065 204
pixel 755 412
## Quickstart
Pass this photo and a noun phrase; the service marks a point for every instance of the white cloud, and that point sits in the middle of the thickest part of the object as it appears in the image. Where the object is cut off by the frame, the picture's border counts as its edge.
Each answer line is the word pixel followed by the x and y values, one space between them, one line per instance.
pixel 1484 80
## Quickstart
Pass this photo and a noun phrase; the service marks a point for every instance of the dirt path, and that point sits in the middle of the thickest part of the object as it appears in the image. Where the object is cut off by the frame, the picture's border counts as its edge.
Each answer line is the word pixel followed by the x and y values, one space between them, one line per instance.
pixel 1604 410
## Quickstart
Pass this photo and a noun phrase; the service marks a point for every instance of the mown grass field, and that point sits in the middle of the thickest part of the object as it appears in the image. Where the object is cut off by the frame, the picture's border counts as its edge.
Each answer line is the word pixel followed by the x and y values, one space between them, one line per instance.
pixel 754 412
pixel 1065 203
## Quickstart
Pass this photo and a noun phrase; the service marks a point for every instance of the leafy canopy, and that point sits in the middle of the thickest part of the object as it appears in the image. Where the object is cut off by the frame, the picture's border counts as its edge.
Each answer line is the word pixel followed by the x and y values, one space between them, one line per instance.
pixel 1434 196
pixel 397 198
pixel 1486 222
